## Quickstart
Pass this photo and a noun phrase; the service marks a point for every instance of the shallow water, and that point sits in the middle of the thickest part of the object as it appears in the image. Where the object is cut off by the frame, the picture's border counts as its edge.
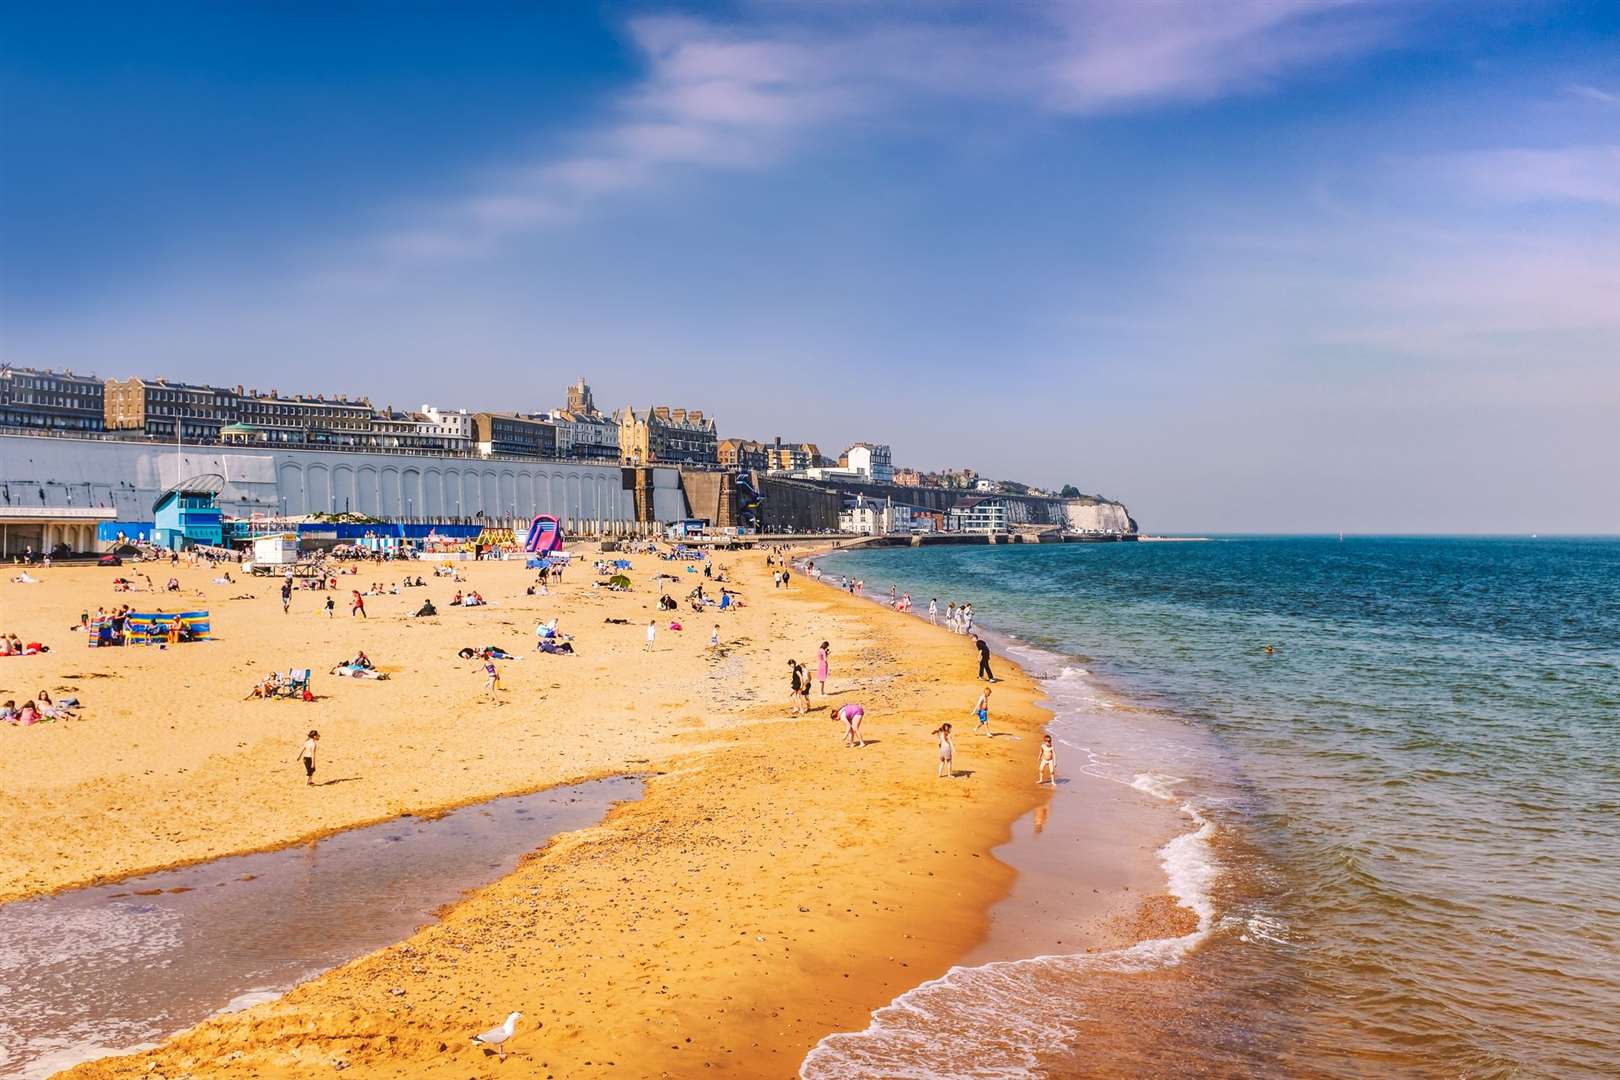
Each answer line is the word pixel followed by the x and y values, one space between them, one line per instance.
pixel 111 968
pixel 1413 803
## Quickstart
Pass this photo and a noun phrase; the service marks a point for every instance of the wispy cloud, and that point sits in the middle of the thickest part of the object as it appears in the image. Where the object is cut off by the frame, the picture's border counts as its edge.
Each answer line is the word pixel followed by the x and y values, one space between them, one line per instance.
pixel 1593 93
pixel 1576 174
pixel 743 94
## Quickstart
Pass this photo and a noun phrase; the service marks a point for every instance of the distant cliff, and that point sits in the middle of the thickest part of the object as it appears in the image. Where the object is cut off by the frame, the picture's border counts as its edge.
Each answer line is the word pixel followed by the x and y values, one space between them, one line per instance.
pixel 1086 514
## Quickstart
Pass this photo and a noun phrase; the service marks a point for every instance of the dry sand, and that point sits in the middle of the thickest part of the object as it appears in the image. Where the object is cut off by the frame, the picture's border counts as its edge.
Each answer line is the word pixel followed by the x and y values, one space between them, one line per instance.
pixel 772 886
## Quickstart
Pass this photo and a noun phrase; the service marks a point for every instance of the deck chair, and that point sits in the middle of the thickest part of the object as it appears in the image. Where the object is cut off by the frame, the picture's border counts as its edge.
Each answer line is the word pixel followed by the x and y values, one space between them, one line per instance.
pixel 295 683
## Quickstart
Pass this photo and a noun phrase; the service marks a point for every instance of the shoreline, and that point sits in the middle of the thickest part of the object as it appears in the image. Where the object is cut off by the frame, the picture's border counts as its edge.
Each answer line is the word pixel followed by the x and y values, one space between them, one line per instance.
pixel 958 880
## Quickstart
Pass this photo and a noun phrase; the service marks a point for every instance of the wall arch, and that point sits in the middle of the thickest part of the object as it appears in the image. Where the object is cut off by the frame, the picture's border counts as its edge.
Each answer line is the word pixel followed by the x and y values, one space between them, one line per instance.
pixel 389 503
pixel 366 490
pixel 318 482
pixel 292 488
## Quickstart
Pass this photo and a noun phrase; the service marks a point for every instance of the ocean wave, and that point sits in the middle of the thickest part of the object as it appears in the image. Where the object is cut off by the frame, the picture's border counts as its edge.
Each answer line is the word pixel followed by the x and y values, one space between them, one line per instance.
pixel 991 1021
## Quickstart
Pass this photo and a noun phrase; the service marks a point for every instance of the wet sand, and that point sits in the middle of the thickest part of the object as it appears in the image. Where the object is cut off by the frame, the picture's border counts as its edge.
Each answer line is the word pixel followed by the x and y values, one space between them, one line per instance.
pixel 772 886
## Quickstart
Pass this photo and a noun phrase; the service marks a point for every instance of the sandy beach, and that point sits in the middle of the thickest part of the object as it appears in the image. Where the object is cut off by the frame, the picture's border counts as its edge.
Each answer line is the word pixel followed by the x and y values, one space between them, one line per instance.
pixel 771 887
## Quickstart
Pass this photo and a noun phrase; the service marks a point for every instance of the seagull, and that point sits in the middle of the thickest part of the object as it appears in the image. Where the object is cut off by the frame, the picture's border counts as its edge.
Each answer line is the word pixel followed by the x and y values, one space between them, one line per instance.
pixel 497 1036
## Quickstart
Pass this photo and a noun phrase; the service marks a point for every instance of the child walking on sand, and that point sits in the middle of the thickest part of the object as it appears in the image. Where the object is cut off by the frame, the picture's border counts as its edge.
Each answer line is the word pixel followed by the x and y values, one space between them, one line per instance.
pixel 652 633
pixel 982 712
pixel 492 677
pixel 1047 764
pixel 357 605
pixel 946 751
pixel 308 754
pixel 331 606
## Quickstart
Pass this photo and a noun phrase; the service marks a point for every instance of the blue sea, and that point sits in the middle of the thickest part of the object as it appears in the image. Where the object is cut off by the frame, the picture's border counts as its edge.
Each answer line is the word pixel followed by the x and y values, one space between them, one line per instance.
pixel 1403 821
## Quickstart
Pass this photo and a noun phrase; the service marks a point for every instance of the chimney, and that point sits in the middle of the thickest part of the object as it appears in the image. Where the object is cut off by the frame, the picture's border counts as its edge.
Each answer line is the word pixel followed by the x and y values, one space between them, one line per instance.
pixel 680 415
pixel 696 416
pixel 662 412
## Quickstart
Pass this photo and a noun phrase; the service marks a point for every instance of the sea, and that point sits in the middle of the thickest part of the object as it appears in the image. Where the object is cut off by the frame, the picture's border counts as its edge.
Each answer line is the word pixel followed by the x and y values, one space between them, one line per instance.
pixel 1402 834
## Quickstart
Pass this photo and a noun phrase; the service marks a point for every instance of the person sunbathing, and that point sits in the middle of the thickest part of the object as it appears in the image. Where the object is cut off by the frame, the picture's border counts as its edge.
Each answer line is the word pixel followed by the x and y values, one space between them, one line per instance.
pixel 5 645
pixel 267 686
pixel 361 661
pixel 426 610
pixel 456 600
pixel 557 648
pixel 56 710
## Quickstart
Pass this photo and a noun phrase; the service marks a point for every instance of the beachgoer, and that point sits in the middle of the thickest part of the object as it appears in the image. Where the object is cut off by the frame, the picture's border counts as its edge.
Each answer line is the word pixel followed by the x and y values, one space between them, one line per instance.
pixel 981 710
pixel 492 674
pixel 933 612
pixel 714 637
pixel 652 633
pixel 984 660
pixel 851 714
pixel 1046 764
pixel 946 752
pixel 821 667
pixel 357 605
pixel 308 754
pixel 331 606
pixel 950 616
pixel 796 676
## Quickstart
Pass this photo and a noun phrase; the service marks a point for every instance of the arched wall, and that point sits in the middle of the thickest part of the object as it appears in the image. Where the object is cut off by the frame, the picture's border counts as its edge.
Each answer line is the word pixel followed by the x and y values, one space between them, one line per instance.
pixel 315 483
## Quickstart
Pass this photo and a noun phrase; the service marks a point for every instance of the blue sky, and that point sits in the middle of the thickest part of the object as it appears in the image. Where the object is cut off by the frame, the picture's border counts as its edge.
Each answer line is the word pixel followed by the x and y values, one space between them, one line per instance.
pixel 1244 264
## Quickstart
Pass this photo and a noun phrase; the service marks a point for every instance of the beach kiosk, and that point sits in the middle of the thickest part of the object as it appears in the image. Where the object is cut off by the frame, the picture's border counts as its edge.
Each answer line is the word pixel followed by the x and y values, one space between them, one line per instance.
pixel 274 550
pixel 188 514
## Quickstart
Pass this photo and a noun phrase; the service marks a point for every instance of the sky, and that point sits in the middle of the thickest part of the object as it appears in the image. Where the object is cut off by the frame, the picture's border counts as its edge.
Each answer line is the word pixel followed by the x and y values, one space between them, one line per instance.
pixel 1245 265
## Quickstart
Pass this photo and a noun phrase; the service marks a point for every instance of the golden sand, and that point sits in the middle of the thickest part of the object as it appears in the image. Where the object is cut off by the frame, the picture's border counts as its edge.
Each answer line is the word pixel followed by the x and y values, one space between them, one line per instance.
pixel 771 887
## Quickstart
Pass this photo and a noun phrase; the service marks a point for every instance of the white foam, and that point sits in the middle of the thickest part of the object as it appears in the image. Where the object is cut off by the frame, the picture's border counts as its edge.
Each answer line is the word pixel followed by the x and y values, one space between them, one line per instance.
pixel 54 1061
pixel 243 1002
pixel 990 1021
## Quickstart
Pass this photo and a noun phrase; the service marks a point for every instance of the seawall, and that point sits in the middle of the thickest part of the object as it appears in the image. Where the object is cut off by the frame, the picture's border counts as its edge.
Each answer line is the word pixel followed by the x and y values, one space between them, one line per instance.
pixel 128 476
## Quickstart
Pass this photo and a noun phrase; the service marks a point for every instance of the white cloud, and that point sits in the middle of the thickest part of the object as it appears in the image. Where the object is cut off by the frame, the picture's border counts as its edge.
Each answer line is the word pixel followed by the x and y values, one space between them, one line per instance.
pixel 1579 174
pixel 741 95
pixel 1594 93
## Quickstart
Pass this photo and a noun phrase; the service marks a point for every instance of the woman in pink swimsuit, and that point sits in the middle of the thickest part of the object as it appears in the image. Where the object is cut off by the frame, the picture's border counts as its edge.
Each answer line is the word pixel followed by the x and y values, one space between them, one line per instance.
pixel 821 668
pixel 852 715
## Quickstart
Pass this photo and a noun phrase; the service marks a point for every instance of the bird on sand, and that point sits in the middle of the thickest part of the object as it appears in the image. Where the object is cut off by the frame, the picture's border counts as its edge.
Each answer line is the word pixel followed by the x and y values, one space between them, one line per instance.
pixel 497 1037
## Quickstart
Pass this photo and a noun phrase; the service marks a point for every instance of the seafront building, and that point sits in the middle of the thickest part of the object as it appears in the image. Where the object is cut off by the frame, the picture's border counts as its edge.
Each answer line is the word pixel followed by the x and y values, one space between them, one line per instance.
pixel 875 461
pixel 976 514
pixel 453 429
pixel 514 434
pixel 744 454
pixel 584 433
pixel 793 457
pixel 668 436
pixel 50 400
